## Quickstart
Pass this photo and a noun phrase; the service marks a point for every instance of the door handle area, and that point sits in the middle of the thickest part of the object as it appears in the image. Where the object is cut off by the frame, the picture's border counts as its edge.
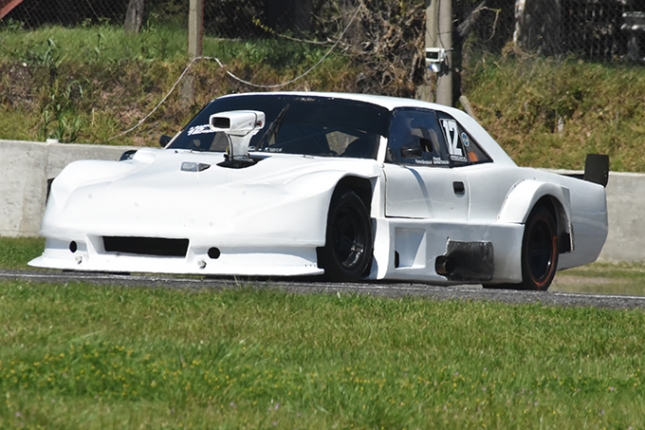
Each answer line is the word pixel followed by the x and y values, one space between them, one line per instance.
pixel 459 187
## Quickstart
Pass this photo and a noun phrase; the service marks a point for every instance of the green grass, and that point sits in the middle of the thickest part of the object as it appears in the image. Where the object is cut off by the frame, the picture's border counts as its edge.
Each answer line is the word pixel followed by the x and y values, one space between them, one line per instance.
pixel 549 113
pixel 82 356
pixel 603 278
pixel 108 44
pixel 88 84
pixel 15 253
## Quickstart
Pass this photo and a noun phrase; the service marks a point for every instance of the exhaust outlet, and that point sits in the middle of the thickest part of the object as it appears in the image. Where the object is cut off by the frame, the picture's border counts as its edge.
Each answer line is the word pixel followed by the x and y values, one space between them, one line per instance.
pixel 466 262
pixel 445 266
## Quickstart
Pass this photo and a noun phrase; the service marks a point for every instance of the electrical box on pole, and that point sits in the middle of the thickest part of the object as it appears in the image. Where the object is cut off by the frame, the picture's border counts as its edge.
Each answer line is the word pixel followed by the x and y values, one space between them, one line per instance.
pixel 438 52
pixel 444 77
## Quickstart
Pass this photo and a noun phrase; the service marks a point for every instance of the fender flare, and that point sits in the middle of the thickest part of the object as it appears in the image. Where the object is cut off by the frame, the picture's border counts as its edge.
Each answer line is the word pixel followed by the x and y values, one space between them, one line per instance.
pixel 523 197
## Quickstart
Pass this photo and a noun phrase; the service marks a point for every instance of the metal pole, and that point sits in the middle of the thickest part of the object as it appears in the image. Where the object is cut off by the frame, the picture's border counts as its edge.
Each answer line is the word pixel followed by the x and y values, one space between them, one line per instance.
pixel 195 28
pixel 444 83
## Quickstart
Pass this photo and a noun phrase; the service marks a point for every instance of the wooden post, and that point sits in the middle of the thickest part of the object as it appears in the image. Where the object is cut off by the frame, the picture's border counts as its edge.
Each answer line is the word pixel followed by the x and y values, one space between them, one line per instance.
pixel 195 28
pixel 134 16
pixel 444 83
pixel 425 91
pixel 195 36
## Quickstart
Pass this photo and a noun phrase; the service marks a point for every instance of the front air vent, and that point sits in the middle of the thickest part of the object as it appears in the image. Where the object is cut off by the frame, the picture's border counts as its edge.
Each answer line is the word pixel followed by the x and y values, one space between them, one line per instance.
pixel 146 246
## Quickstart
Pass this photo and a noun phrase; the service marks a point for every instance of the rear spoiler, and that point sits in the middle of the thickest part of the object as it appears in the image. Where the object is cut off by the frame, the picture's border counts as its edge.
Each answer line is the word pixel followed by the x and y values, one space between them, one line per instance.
pixel 596 169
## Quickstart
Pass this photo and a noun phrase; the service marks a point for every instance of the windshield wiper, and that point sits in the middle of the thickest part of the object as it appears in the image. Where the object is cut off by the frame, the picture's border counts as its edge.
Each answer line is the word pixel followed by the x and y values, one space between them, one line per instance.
pixel 273 129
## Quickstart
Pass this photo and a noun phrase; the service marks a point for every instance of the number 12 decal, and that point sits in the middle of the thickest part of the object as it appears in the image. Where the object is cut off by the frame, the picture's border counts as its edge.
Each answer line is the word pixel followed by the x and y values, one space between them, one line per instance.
pixel 451 131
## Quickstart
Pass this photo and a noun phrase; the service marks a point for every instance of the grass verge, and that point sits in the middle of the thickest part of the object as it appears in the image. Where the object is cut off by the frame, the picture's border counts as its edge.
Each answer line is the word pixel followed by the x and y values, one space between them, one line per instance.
pixel 603 278
pixel 15 253
pixel 88 84
pixel 82 356
pixel 549 113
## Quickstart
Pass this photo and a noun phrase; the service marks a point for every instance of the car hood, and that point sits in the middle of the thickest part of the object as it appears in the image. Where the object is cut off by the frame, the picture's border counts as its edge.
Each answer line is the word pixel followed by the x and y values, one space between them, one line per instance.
pixel 151 195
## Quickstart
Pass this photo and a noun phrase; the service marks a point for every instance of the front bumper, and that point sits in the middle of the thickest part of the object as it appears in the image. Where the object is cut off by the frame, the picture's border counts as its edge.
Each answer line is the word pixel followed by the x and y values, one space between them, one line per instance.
pixel 90 255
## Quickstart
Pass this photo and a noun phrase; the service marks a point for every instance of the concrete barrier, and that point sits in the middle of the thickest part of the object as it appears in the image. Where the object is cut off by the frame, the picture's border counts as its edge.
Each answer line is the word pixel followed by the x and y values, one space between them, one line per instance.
pixel 25 168
pixel 626 210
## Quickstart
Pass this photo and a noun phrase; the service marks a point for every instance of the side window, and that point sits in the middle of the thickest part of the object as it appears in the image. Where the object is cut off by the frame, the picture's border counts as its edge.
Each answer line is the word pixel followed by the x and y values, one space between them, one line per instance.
pixel 415 138
pixel 462 148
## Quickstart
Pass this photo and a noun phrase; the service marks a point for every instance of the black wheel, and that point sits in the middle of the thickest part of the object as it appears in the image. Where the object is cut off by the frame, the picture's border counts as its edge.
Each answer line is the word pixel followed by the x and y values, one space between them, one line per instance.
pixel 347 253
pixel 539 252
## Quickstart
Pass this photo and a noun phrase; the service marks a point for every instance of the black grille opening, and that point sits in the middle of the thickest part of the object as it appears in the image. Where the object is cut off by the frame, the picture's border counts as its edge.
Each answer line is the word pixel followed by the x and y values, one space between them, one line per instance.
pixel 146 246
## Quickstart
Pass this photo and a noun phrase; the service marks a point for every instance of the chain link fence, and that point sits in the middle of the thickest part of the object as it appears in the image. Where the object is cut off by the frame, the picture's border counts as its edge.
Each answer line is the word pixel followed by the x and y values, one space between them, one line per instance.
pixel 605 30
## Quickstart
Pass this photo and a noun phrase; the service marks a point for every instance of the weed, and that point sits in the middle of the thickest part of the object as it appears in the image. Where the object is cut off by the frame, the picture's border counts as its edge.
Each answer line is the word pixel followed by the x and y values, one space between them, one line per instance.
pixel 59 119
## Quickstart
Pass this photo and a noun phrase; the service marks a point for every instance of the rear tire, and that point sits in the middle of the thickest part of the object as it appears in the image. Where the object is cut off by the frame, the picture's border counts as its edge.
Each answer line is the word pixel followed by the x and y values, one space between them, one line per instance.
pixel 347 253
pixel 539 252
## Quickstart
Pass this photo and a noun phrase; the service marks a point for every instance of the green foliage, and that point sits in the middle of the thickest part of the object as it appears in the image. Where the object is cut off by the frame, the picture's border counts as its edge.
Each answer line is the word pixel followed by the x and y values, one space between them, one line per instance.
pixel 88 84
pixel 545 113
pixel 549 113
pixel 59 119
pixel 82 356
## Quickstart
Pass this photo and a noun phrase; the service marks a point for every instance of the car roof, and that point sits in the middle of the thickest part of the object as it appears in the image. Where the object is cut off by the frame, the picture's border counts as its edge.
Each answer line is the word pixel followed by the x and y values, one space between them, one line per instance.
pixel 387 102
pixel 480 134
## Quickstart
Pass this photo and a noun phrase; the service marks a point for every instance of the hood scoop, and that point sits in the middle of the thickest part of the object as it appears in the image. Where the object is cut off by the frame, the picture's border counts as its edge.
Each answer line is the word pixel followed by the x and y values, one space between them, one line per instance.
pixel 239 126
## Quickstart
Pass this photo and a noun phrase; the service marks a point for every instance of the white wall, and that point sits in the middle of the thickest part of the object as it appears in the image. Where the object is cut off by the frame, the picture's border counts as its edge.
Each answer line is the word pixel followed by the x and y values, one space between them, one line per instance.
pixel 24 170
pixel 26 166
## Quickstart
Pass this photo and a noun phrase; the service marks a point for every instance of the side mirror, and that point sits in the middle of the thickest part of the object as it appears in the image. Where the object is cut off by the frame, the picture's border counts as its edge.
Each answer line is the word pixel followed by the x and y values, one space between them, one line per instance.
pixel 415 152
pixel 164 140
pixel 127 155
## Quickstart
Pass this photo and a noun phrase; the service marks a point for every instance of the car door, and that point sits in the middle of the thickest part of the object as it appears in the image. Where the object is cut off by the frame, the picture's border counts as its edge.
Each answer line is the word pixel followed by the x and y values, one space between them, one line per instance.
pixel 420 182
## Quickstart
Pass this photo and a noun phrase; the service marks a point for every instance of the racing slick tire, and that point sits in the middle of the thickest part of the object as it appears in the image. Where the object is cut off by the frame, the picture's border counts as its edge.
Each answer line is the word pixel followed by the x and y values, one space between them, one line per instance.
pixel 347 253
pixel 539 252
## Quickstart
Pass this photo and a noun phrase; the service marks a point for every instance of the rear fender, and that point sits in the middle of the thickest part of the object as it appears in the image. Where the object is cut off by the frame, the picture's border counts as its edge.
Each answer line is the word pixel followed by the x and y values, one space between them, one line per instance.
pixel 523 197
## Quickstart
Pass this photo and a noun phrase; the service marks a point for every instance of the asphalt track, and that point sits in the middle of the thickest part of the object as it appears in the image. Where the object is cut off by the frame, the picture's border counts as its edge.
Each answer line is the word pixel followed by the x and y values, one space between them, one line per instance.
pixel 380 289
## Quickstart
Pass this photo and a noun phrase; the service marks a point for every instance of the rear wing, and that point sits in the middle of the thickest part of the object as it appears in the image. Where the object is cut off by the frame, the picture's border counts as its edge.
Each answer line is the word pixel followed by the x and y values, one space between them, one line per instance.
pixel 596 170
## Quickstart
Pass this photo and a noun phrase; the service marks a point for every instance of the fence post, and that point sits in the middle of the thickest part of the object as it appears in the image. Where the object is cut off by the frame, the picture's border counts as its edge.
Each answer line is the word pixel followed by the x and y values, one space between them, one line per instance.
pixel 425 91
pixel 444 83
pixel 195 28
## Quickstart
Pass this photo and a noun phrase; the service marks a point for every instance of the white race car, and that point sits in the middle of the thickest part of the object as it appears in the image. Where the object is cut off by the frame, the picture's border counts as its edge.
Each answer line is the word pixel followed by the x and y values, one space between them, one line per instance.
pixel 342 185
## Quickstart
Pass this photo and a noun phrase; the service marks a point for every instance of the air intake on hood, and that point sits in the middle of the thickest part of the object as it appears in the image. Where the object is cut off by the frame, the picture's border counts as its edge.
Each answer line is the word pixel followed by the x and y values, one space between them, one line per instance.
pixel 146 246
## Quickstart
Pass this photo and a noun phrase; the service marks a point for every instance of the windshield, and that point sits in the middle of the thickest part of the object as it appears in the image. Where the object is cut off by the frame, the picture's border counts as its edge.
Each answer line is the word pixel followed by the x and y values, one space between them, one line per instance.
pixel 324 126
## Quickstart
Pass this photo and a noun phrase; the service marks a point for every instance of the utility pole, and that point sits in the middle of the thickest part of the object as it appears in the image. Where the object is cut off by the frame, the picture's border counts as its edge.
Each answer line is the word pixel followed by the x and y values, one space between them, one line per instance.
pixel 195 28
pixel 438 37
pixel 444 82
pixel 425 91
pixel 195 36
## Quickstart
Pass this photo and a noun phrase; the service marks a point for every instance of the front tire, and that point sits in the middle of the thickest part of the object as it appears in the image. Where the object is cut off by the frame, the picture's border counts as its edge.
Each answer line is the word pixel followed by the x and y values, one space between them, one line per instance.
pixel 347 253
